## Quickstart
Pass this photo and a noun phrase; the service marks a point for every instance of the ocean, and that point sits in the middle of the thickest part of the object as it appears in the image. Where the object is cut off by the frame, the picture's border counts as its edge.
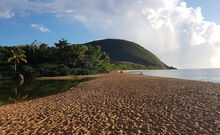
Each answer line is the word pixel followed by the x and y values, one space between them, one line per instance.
pixel 206 75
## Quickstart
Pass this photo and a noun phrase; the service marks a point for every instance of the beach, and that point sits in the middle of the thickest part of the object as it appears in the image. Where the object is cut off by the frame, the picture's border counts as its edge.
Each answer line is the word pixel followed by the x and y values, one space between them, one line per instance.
pixel 119 103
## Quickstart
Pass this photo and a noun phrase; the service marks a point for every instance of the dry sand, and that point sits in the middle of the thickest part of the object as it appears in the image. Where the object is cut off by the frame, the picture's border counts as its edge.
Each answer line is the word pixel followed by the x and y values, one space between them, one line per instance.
pixel 120 104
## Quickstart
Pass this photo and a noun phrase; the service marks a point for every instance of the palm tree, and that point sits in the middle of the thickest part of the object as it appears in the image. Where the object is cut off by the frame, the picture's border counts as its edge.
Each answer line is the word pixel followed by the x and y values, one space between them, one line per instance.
pixel 78 53
pixel 62 48
pixel 18 55
pixel 18 97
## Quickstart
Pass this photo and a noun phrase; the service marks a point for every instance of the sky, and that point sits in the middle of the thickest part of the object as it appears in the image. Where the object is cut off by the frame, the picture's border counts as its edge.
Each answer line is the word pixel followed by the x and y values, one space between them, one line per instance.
pixel 182 33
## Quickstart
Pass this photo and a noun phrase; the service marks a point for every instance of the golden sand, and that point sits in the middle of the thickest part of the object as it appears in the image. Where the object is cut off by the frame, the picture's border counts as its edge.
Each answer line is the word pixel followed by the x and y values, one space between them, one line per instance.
pixel 120 104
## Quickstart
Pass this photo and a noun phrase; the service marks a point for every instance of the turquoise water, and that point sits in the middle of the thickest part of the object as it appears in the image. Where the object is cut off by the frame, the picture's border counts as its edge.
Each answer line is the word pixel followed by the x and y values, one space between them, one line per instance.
pixel 207 75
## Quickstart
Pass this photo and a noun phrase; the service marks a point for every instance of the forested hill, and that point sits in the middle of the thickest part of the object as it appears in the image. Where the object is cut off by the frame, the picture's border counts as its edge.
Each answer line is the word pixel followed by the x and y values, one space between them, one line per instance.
pixel 125 51
pixel 64 58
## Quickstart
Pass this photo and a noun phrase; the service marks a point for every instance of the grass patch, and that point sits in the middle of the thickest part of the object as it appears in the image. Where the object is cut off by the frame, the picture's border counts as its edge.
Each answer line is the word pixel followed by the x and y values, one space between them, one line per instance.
pixel 69 77
pixel 2 103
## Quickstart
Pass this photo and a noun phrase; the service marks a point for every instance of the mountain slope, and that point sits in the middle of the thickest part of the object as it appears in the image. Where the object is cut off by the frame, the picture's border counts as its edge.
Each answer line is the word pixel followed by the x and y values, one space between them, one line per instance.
pixel 126 51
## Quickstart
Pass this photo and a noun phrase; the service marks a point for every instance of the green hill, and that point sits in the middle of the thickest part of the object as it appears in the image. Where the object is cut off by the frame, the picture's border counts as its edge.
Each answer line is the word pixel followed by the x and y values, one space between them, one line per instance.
pixel 122 51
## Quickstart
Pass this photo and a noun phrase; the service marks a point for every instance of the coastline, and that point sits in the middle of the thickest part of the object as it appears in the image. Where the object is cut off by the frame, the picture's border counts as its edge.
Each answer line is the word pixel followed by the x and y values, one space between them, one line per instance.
pixel 120 103
pixel 127 71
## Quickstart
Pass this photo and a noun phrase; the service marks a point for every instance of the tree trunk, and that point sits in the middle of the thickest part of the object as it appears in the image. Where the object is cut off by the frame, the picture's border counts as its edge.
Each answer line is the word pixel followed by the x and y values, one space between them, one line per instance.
pixel 21 79
pixel 15 67
pixel 16 92
pixel 74 62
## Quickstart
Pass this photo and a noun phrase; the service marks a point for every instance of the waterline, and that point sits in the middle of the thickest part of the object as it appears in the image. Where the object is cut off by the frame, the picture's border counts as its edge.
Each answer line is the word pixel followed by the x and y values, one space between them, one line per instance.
pixel 206 75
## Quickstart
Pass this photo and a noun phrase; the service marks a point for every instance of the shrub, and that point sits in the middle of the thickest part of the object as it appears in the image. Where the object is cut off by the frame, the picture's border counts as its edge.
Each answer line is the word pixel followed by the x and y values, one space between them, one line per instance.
pixel 2 103
pixel 29 72
pixel 63 70
pixel 83 71
pixel 53 70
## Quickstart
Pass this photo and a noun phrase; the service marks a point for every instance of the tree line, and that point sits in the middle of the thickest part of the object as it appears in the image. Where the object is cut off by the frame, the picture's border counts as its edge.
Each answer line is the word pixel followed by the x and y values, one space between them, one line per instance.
pixel 63 58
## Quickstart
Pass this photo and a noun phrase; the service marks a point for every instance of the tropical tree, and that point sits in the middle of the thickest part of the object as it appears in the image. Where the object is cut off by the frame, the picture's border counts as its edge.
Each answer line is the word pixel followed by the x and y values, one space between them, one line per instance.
pixel 77 53
pixel 17 56
pixel 62 48
pixel 18 97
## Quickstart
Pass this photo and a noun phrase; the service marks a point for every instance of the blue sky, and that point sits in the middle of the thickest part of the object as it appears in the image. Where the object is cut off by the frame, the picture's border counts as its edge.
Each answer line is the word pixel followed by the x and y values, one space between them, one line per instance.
pixel 169 28
pixel 210 9
pixel 17 30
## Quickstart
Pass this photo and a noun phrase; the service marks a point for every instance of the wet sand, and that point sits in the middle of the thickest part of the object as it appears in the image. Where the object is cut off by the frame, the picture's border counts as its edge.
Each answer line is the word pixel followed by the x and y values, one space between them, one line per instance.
pixel 120 104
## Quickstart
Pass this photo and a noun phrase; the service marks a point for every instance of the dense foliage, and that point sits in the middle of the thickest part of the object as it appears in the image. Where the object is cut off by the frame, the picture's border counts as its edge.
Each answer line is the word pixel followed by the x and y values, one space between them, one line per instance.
pixel 126 51
pixel 61 59
pixel 69 59
pixel 130 66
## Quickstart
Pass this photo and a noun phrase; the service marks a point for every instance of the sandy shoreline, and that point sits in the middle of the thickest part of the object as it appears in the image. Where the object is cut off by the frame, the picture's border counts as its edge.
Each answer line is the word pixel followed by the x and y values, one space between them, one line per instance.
pixel 120 104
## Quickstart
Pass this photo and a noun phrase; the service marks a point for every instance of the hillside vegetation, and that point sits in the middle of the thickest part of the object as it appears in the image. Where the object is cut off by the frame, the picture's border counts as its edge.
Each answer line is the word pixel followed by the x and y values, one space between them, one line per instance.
pixel 122 51
pixel 38 60
pixel 64 58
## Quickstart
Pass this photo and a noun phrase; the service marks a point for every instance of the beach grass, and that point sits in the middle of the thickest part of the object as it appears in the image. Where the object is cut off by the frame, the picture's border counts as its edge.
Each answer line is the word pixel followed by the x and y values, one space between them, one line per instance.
pixel 2 103
pixel 69 77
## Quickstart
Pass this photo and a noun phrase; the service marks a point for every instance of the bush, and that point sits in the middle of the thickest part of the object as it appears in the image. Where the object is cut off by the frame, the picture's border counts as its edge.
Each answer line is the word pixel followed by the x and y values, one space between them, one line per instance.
pixel 83 71
pixel 53 70
pixel 2 103
pixel 29 72
pixel 63 70
pixel 128 66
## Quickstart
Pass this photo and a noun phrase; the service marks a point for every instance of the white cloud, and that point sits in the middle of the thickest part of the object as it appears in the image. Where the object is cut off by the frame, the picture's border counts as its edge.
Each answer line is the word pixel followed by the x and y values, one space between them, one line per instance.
pixel 40 27
pixel 176 33
pixel 6 14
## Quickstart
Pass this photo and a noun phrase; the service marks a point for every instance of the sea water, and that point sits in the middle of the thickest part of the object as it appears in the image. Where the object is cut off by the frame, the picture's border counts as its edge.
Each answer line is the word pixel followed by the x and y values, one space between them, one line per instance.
pixel 206 75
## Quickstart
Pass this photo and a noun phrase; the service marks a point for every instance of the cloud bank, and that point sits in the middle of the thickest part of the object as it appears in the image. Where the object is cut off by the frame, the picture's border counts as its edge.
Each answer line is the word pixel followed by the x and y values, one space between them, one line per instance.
pixel 40 27
pixel 178 34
